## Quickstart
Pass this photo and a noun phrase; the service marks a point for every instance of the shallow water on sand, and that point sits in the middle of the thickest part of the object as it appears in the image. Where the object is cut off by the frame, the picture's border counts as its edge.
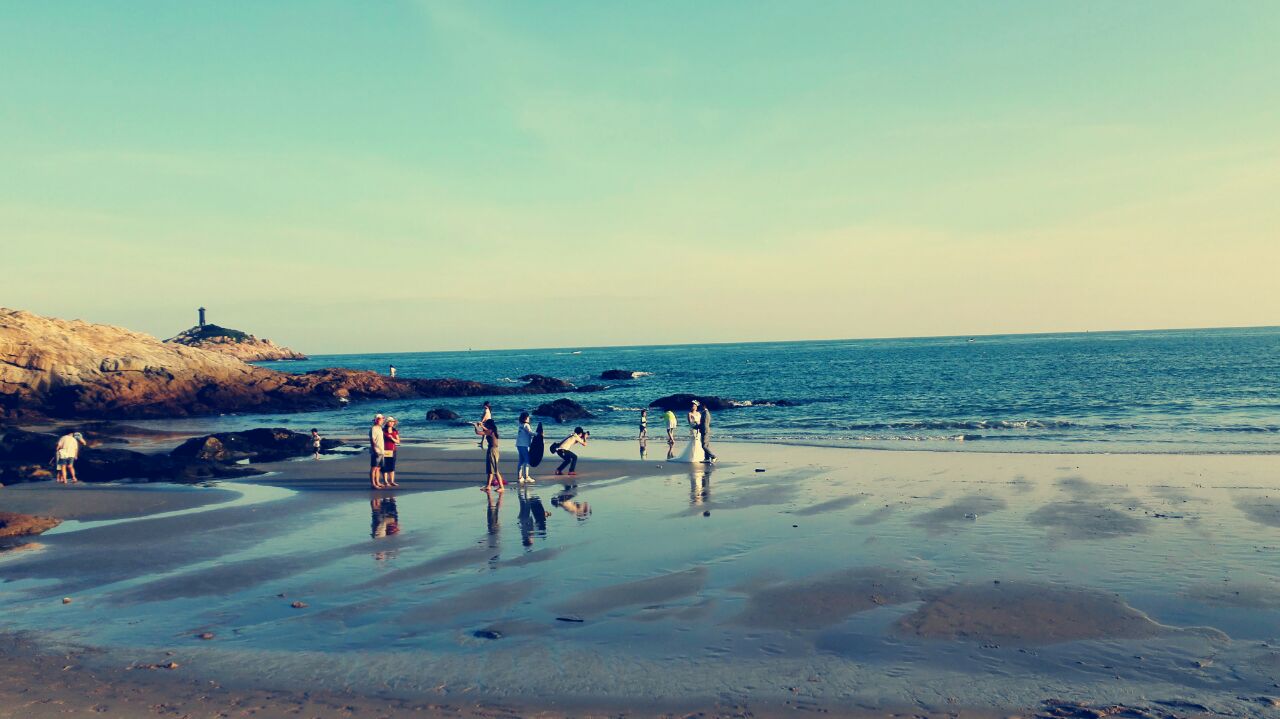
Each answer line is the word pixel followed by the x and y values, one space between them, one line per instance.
pixel 872 577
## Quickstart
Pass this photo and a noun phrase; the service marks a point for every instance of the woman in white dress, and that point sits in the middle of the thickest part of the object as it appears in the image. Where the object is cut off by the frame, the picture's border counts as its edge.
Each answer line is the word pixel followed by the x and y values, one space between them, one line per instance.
pixel 692 453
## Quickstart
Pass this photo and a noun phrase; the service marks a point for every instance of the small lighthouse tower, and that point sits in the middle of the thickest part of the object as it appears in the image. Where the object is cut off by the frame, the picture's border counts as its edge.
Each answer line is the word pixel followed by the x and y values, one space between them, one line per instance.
pixel 201 311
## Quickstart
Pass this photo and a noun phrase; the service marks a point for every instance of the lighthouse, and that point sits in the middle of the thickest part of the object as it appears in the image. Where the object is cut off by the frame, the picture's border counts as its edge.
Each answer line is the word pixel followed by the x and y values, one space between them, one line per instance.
pixel 201 311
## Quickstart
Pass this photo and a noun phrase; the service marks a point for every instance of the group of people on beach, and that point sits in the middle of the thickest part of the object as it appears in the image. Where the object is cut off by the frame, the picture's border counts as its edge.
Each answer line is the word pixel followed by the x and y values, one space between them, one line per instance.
pixel 384 440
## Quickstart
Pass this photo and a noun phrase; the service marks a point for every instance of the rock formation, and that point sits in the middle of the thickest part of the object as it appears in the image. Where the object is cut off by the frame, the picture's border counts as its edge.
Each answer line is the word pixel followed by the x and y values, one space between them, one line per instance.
pixel 619 374
pixel 241 345
pixel 70 368
pixel 255 445
pixel 440 414
pixel 563 410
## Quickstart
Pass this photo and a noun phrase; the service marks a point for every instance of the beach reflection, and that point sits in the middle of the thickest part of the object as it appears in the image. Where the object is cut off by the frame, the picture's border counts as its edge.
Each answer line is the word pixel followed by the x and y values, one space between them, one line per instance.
pixel 532 518
pixel 384 522
pixel 699 484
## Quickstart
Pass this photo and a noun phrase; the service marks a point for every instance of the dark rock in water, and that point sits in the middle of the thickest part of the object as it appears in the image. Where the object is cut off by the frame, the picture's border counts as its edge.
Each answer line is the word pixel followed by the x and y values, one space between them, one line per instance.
pixel 682 402
pixel 261 445
pixel 19 445
pixel 542 383
pixel 592 388
pixel 440 414
pixel 486 634
pixel 563 410
pixel 619 374
pixel 571 618
pixel 774 403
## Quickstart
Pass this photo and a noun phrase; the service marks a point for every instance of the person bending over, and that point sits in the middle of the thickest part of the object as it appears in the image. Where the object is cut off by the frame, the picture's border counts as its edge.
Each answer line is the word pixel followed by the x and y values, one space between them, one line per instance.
pixel 564 450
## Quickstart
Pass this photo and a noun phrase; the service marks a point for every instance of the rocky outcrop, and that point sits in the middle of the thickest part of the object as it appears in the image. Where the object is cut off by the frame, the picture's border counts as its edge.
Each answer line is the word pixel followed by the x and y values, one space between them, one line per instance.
pixel 24 525
pixel 440 414
pixel 255 445
pixel 69 368
pixel 241 345
pixel 548 384
pixel 678 402
pixel 563 410
pixel 24 457
pixel 614 374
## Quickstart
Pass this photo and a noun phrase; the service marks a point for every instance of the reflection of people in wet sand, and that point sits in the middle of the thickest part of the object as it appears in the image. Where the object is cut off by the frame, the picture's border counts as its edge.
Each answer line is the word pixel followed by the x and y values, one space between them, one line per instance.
pixel 566 501
pixel 533 517
pixel 699 484
pixel 385 521
pixel 644 448
pixel 491 519
pixel 488 432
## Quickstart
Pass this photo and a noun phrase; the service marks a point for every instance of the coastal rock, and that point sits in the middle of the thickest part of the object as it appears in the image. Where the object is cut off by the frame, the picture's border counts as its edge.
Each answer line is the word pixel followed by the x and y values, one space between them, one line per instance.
pixel 563 410
pixel 612 374
pixel 440 414
pixel 260 445
pixel 241 345
pixel 678 402
pixel 25 525
pixel 543 383
pixel 70 368
pixel 24 457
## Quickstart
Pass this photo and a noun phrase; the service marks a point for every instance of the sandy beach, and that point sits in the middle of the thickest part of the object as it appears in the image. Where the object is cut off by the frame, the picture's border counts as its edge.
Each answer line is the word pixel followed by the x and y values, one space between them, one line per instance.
pixel 858 583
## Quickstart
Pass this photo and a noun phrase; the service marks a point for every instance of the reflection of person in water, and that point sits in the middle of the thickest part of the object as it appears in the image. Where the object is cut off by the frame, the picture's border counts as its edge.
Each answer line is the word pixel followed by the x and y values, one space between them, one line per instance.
pixel 533 518
pixel 699 484
pixel 385 521
pixel 565 500
pixel 644 448
pixel 491 518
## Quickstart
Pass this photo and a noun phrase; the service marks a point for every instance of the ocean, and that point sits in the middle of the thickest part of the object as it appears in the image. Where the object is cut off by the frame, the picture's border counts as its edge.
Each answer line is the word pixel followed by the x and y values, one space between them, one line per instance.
pixel 1206 390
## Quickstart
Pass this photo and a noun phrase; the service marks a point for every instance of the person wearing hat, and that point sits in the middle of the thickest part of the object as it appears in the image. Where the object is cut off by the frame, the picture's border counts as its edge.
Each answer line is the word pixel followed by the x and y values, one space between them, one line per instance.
pixel 377 447
pixel 65 454
pixel 390 440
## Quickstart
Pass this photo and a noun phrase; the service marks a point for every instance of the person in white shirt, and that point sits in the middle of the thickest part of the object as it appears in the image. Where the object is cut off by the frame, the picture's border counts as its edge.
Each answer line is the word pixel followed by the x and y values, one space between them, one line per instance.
pixel 377 445
pixel 568 458
pixel 65 455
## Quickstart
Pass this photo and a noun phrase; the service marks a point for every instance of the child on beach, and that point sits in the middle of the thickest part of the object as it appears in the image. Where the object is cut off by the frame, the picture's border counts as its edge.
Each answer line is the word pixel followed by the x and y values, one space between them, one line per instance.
pixel 671 427
pixel 568 458
pixel 644 424
pixel 390 441
pixel 488 431
pixel 485 417
pixel 315 441
pixel 524 437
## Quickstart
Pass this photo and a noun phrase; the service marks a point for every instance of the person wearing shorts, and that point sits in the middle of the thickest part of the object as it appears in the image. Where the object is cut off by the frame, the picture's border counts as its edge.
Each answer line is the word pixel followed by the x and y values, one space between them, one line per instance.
pixel 644 424
pixel 488 431
pixel 65 455
pixel 377 447
pixel 671 427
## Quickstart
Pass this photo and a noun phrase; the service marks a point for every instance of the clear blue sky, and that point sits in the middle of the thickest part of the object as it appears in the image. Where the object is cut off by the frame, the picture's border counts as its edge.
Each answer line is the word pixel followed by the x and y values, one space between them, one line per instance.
pixel 397 176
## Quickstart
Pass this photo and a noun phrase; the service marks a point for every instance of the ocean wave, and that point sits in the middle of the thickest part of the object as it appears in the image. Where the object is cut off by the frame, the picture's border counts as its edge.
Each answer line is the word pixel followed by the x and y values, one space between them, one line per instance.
pixel 612 408
pixel 948 424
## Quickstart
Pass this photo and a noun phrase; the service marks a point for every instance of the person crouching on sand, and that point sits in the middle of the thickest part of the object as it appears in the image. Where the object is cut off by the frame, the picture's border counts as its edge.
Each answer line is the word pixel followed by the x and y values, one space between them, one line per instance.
pixel 488 431
pixel 377 446
pixel 391 441
pixel 563 451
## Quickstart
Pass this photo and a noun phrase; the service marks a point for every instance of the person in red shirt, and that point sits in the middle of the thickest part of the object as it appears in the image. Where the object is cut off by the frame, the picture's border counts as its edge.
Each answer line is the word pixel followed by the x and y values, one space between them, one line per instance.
pixel 390 440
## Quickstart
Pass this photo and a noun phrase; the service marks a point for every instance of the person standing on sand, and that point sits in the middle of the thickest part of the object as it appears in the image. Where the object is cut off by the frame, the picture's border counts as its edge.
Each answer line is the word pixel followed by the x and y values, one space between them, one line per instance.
pixel 390 440
pixel 488 431
pixel 524 437
pixel 644 424
pixel 65 454
pixel 484 417
pixel 705 427
pixel 671 428
pixel 377 445
pixel 568 458
pixel 315 441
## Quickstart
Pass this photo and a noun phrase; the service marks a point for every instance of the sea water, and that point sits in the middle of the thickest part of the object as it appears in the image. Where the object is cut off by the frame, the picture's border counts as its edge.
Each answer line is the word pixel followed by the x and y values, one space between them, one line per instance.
pixel 1208 390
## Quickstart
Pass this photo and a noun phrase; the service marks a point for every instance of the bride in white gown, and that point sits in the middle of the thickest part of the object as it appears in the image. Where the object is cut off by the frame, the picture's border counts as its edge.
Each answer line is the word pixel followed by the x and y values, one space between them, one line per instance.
pixel 692 453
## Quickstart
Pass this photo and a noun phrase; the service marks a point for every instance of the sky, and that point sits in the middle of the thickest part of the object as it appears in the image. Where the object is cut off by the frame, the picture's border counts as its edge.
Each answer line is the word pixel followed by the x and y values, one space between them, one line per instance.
pixel 414 176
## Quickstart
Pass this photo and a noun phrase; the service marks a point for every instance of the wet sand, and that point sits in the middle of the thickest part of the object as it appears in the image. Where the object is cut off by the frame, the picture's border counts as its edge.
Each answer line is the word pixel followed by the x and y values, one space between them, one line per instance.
pixel 838 581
